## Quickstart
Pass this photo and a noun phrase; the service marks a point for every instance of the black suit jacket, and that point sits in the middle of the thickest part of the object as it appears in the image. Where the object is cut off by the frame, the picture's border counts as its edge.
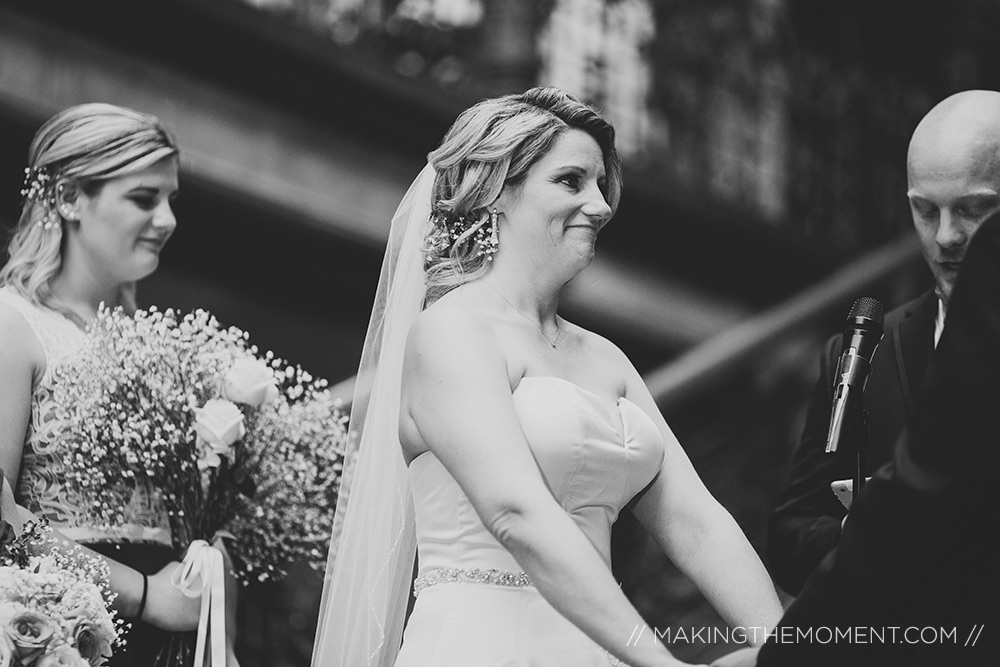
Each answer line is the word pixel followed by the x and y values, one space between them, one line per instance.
pixel 805 527
pixel 918 549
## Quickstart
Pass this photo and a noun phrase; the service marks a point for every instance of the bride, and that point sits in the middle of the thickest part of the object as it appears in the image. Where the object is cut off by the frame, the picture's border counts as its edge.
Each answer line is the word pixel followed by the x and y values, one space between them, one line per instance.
pixel 502 440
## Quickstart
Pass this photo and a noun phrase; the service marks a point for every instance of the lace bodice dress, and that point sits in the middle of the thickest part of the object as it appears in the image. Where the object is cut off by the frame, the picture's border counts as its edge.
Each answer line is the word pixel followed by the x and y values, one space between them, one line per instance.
pixel 474 606
pixel 40 486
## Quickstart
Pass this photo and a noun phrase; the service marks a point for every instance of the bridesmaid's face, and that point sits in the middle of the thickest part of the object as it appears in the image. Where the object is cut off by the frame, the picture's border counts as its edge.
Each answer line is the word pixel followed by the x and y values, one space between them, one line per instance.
pixel 124 226
pixel 557 212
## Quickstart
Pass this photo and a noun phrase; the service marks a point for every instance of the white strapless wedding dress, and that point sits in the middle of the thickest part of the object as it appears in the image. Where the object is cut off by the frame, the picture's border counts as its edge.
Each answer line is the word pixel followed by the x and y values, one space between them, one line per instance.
pixel 474 606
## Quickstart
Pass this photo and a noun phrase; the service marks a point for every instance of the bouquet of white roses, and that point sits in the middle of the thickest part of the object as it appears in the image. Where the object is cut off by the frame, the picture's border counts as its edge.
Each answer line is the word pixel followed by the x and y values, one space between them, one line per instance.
pixel 55 606
pixel 233 441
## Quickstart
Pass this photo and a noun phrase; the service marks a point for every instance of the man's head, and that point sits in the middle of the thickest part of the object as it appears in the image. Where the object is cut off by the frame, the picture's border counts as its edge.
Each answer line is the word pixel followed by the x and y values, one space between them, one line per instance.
pixel 953 169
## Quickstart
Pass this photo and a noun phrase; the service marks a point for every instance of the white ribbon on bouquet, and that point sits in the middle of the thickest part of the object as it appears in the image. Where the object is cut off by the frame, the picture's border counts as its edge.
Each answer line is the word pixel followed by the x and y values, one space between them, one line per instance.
pixel 203 573
pixel 9 511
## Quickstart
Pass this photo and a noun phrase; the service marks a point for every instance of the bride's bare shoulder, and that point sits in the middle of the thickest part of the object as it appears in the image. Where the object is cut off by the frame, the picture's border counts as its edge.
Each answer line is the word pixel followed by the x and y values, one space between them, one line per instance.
pixel 596 345
pixel 452 325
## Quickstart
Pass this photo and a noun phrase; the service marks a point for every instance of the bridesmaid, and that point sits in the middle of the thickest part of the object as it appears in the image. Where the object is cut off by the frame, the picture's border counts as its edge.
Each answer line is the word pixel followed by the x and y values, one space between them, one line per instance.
pixel 97 212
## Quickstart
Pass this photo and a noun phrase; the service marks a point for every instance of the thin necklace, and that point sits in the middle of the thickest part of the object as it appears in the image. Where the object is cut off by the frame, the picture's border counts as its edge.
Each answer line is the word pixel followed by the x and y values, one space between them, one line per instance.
pixel 532 320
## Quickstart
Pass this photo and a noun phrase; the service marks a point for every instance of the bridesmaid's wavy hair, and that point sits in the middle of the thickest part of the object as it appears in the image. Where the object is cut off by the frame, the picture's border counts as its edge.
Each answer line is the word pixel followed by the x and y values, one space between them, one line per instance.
pixel 89 145
pixel 492 145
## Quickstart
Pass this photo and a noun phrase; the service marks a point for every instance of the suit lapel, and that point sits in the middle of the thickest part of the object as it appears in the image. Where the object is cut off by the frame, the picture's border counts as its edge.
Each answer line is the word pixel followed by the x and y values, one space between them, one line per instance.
pixel 913 345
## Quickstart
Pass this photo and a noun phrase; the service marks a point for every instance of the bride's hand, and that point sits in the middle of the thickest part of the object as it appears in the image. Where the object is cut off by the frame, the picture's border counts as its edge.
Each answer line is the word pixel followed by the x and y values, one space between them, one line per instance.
pixel 166 606
pixel 744 657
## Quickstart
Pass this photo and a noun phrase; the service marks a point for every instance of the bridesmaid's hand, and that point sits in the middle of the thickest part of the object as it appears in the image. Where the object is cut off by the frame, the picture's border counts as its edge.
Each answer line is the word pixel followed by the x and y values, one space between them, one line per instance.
pixel 166 607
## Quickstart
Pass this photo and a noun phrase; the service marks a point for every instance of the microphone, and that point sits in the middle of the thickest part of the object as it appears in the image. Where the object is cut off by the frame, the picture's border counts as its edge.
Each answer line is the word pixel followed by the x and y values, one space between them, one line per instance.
pixel 861 338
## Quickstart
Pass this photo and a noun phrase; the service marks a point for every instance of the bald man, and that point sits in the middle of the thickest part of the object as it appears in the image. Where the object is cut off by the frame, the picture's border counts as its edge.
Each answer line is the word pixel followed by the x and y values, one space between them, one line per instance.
pixel 915 579
pixel 953 170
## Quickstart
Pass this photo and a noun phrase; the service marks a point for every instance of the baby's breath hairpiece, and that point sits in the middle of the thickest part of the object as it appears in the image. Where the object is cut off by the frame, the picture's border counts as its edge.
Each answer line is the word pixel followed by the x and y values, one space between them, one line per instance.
pixel 450 229
pixel 39 187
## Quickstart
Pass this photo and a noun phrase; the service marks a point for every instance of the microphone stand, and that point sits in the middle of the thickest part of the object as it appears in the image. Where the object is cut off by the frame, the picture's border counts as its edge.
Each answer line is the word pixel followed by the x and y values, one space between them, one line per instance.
pixel 861 442
pixel 851 418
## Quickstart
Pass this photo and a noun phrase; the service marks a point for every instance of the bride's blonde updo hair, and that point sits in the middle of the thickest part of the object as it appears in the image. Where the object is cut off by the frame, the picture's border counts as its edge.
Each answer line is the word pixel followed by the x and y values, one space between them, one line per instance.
pixel 490 146
pixel 88 145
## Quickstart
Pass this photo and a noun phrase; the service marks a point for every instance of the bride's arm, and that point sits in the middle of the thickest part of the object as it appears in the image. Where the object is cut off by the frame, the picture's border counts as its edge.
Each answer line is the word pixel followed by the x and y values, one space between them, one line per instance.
pixel 457 400
pixel 698 534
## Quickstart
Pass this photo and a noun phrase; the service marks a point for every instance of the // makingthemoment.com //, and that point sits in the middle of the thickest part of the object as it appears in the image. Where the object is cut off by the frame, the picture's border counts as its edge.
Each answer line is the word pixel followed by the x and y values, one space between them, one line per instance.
pixel 818 635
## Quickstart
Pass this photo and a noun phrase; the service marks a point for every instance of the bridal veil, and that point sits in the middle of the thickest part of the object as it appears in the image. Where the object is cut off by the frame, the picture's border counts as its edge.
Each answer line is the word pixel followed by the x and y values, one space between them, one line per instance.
pixel 372 550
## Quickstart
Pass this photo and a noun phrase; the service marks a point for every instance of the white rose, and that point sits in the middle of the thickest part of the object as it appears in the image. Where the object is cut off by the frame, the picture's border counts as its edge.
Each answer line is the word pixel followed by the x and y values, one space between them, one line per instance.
pixel 62 656
pixel 250 382
pixel 219 424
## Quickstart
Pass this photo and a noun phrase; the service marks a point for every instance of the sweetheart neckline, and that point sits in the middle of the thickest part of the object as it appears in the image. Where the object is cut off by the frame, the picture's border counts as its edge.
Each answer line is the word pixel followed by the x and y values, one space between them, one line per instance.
pixel 620 428
pixel 580 388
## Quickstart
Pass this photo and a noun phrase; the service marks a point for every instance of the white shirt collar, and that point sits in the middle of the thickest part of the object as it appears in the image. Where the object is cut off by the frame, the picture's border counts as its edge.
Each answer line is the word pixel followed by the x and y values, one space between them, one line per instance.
pixel 939 322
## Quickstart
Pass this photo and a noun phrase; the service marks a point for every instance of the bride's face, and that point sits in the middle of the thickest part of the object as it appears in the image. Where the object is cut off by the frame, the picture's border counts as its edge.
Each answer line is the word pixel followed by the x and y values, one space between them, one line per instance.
pixel 555 214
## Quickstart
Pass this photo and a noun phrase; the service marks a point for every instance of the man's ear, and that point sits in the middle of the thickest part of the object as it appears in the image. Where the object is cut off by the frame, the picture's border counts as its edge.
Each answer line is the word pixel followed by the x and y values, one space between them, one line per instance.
pixel 68 199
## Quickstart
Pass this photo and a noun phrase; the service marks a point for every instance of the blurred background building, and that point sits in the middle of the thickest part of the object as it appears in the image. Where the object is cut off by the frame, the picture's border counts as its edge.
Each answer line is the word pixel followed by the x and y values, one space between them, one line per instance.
pixel 764 145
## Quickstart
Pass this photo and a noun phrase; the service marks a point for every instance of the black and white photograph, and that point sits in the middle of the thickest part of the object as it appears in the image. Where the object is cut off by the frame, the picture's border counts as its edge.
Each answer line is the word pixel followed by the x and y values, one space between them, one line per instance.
pixel 499 333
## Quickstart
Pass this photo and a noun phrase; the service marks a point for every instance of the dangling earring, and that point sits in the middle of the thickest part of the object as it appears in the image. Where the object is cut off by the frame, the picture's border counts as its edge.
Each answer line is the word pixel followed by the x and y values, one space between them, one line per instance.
pixel 494 234
pixel 488 238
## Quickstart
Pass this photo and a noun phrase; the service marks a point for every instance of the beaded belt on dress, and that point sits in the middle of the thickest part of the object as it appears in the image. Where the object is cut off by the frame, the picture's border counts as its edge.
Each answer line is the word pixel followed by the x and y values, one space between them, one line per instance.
pixel 448 575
